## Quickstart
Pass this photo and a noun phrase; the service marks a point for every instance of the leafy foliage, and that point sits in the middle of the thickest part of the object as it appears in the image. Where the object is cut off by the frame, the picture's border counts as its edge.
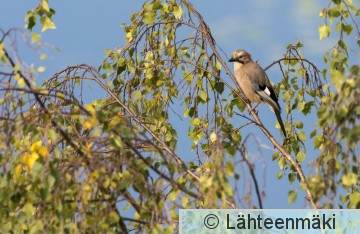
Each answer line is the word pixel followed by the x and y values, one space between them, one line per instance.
pixel 117 163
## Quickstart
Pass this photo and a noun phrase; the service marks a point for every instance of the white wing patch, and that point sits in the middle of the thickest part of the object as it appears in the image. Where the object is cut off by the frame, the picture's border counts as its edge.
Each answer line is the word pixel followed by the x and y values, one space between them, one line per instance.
pixel 267 91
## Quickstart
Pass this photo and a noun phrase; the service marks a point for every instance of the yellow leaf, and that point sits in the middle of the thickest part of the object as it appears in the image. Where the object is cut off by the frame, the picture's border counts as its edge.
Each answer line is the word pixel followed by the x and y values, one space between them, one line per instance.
pixel 21 82
pixel 43 151
pixel 166 42
pixel 87 187
pixel 86 197
pixel 36 145
pixel 18 170
pixel 349 179
pixel 41 69
pixel 45 5
pixel 323 13
pixel 196 122
pixel 30 159
pixel 47 23
pixel 87 124
pixel 17 76
pixel 137 216
pixel 213 137
pixel 89 146
pixel 43 56
pixel 89 107
pixel 218 66
pixel 324 31
pixel 35 37
pixel 24 227
pixel 177 12
pixel 185 201
pixel 17 68
pixel 95 175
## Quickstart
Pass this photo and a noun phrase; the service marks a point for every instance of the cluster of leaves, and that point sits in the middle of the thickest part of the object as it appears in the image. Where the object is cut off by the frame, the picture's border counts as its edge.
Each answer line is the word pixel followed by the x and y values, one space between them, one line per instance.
pixel 114 165
pixel 166 70
pixel 302 88
pixel 339 113
pixel 42 11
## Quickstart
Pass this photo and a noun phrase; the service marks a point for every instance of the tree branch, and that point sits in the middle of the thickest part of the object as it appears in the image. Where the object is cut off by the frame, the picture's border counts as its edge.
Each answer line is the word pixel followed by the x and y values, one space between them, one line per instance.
pixel 282 150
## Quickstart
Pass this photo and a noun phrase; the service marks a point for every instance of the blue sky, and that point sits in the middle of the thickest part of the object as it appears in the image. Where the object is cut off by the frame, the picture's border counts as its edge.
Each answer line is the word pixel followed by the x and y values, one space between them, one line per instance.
pixel 85 28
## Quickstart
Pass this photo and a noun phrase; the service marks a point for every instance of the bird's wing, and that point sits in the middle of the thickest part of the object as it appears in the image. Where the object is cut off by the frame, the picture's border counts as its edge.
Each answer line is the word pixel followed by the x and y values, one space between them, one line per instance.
pixel 262 85
pixel 264 89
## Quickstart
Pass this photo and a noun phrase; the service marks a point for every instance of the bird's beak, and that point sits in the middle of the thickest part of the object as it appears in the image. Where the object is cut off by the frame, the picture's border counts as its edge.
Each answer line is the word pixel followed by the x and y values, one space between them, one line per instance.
pixel 231 60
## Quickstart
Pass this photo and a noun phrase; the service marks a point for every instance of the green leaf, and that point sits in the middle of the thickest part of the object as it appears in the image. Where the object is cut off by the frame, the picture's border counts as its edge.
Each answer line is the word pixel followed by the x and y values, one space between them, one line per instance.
pixel 31 19
pixel 186 112
pixel 229 167
pixel 236 136
pixel 173 195
pixel 302 136
pixel 282 162
pixel 177 12
pixel 28 209
pixel 36 227
pixel 292 195
pixel 313 133
pixel 300 156
pixel 299 125
pixel 347 28
pixel 354 200
pixel 47 23
pixel 324 31
pixel 275 155
pixel 292 177
pixel 288 95
pixel 318 142
pixel 219 87
pixel 137 95
pixel 334 12
pixel 149 17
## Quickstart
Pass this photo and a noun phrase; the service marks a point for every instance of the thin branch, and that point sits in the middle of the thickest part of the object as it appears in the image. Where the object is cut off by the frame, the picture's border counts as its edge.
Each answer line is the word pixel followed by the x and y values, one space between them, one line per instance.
pixel 175 184
pixel 252 173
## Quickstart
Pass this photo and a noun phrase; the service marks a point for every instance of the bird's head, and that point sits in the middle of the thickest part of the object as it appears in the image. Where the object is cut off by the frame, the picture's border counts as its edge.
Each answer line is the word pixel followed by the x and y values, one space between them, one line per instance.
pixel 240 56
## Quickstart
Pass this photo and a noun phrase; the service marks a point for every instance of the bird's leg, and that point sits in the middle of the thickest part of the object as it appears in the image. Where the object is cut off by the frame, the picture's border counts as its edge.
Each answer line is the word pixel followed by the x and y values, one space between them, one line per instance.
pixel 254 109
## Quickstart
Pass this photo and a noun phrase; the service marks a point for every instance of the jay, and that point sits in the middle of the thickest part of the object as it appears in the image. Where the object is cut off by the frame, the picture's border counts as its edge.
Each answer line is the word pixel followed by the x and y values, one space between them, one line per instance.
pixel 254 83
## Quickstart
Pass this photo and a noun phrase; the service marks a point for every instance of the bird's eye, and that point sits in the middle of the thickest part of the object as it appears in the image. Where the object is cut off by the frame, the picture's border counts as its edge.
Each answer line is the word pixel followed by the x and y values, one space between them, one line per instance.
pixel 240 56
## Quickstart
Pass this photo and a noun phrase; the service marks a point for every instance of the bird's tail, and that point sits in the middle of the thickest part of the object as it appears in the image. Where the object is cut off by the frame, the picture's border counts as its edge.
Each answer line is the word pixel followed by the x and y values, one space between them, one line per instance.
pixel 275 107
pixel 278 116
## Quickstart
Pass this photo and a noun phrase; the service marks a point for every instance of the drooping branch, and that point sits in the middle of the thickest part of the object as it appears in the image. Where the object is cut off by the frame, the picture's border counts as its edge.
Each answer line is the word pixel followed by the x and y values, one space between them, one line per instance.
pixel 277 145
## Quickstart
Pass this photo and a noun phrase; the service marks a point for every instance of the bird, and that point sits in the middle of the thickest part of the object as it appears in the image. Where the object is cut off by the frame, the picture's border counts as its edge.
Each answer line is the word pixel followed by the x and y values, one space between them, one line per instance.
pixel 254 83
